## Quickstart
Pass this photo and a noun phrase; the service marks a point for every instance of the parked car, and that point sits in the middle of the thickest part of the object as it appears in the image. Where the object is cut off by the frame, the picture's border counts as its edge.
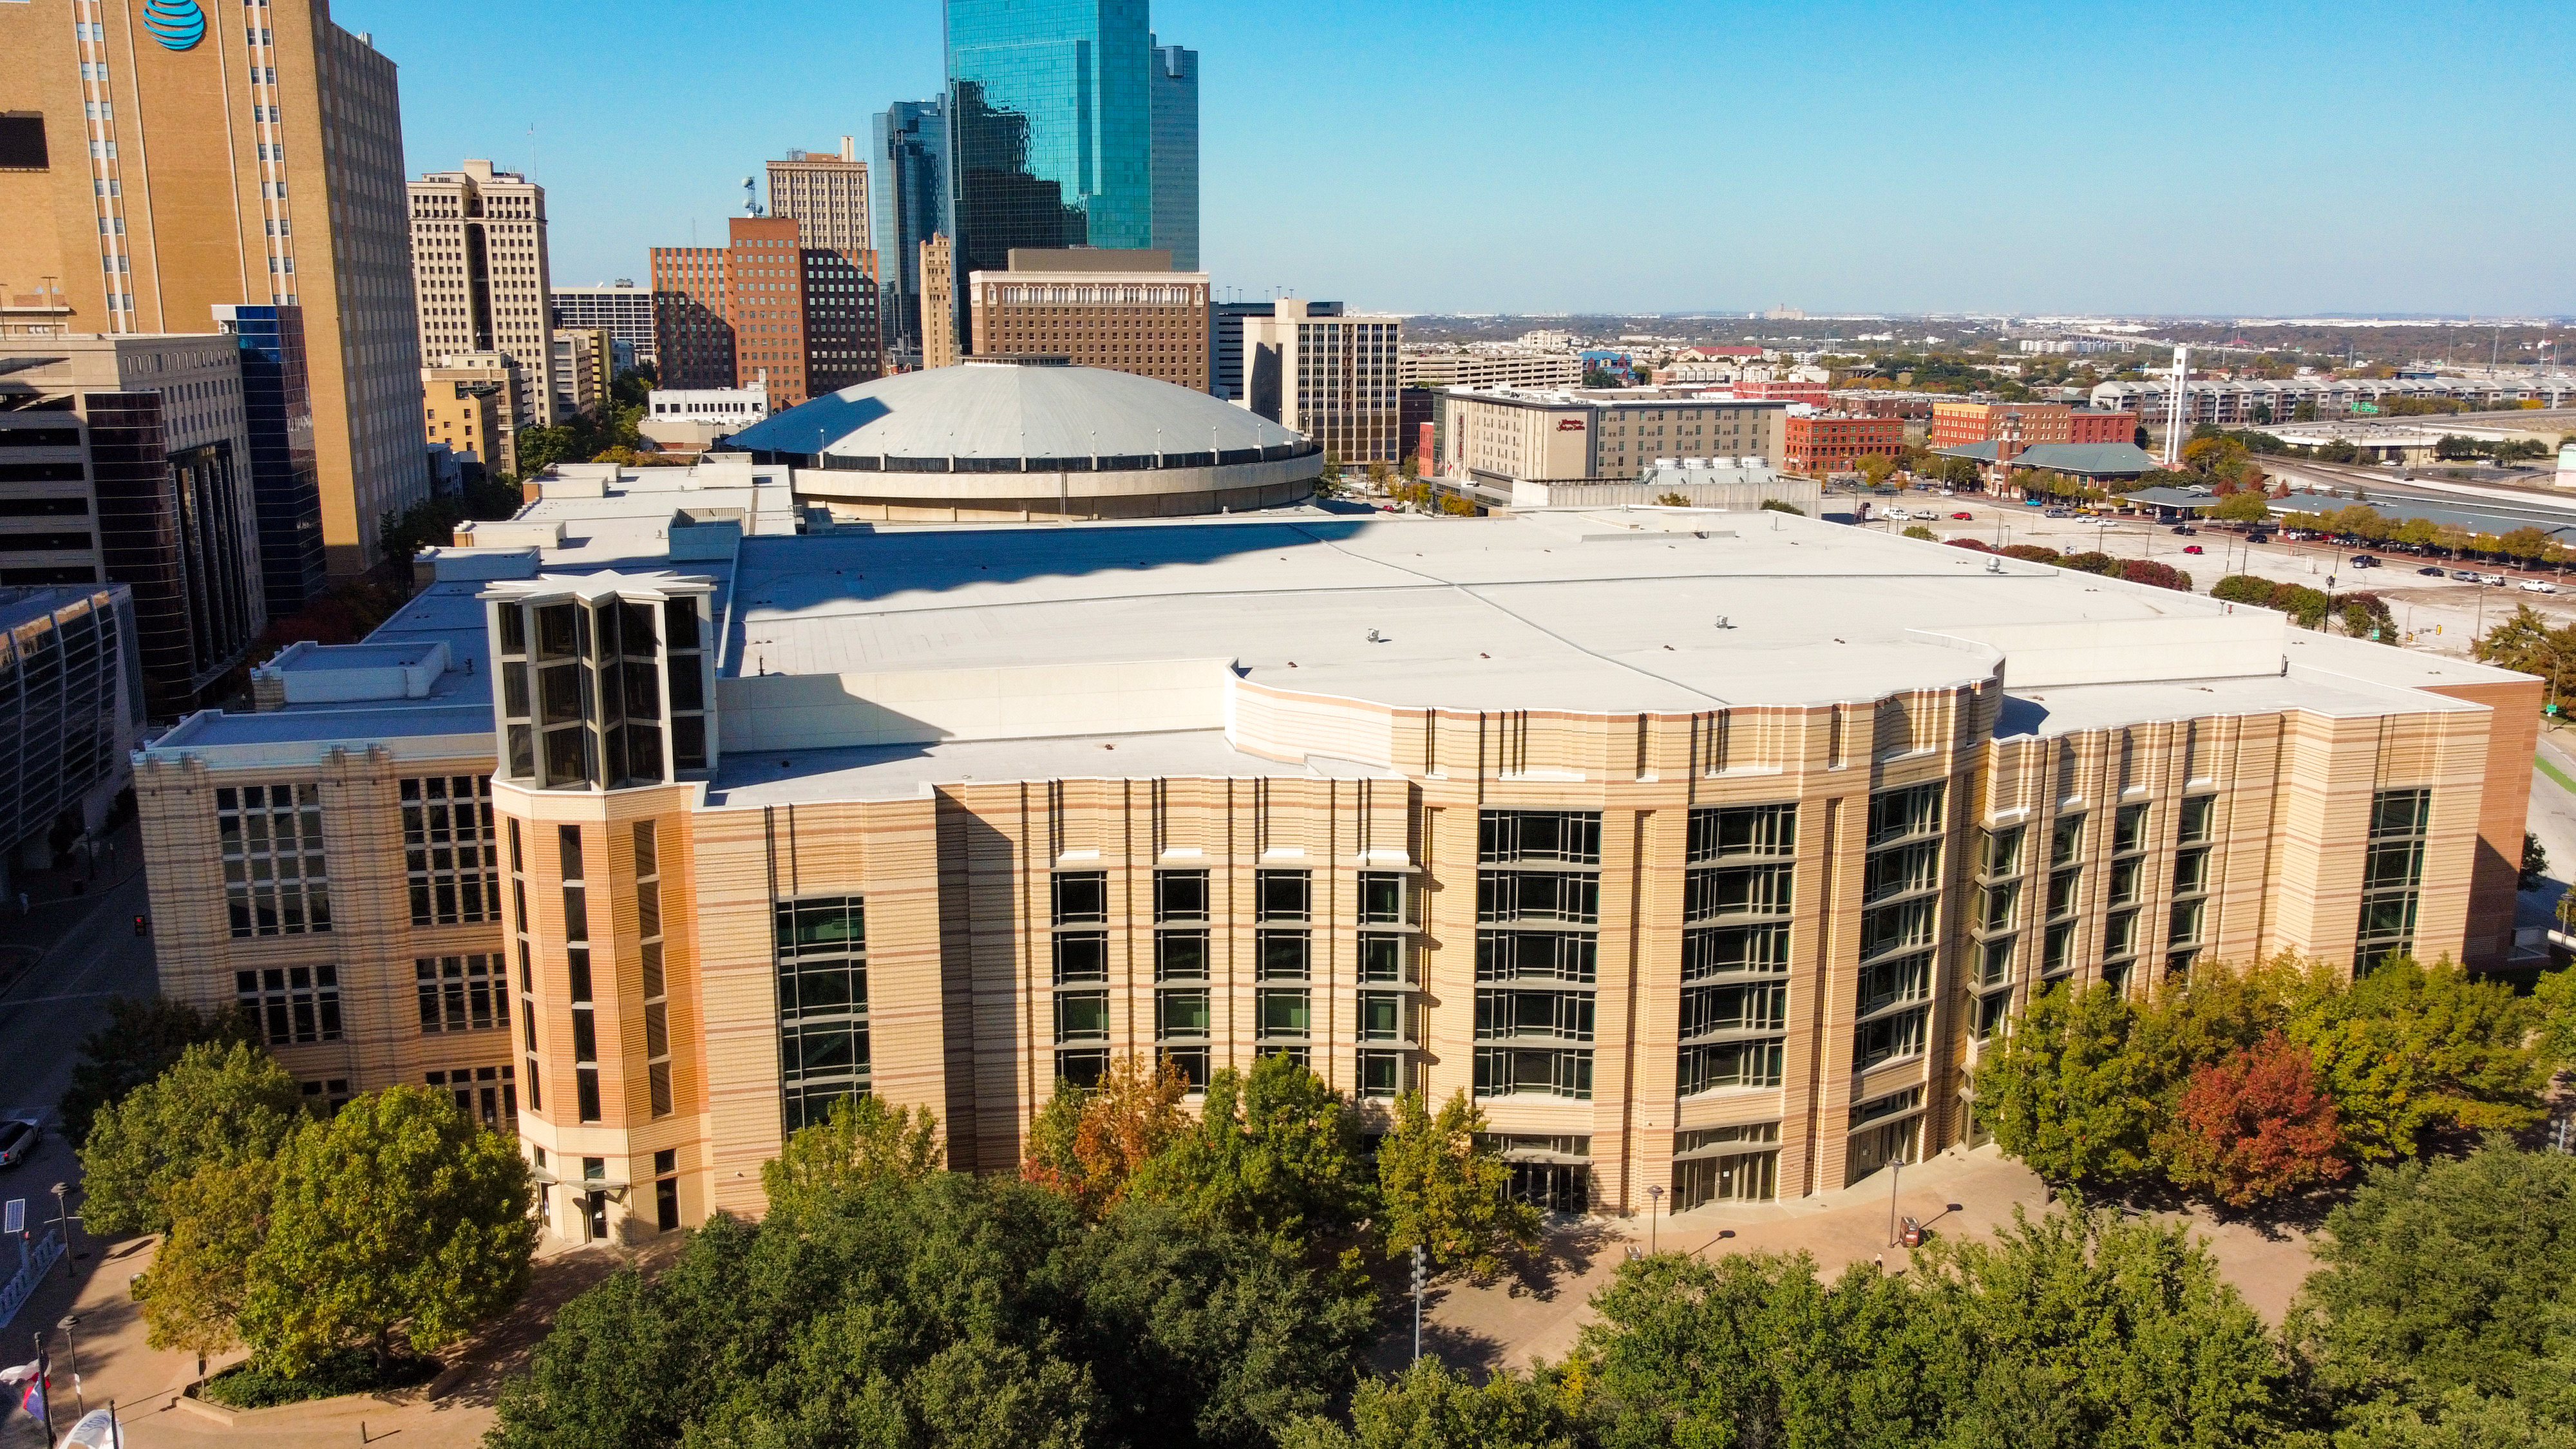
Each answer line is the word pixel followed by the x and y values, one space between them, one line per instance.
pixel 1900 515
pixel 2496 580
pixel 2185 529
pixel 2364 561
pixel 2258 536
pixel 1963 513
pixel 2432 571
pixel 2538 586
pixel 2057 513
pixel 18 1139
pixel 2466 576
pixel 2192 548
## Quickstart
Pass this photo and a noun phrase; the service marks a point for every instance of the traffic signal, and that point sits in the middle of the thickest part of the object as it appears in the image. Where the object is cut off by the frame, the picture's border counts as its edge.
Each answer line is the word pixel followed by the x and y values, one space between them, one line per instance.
pixel 142 927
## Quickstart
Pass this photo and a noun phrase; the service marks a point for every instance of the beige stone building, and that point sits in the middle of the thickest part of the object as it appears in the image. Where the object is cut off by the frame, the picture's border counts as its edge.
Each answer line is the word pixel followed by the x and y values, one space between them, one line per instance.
pixel 1442 369
pixel 938 303
pixel 1126 311
pixel 1494 436
pixel 466 404
pixel 1331 377
pixel 827 194
pixel 478 241
pixel 1713 872
pixel 161 168
pixel 584 366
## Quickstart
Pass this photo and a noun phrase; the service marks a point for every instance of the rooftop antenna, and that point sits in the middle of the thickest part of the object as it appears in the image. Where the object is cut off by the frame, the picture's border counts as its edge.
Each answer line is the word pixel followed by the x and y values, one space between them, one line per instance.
pixel 750 196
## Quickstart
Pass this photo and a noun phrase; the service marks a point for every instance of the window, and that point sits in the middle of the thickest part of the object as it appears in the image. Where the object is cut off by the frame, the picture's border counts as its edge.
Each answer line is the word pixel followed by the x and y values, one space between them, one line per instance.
pixel 1381 1074
pixel 653 978
pixel 1506 1015
pixel 2063 889
pixel 1281 955
pixel 1180 895
pixel 1902 870
pixel 2058 954
pixel 1888 1038
pixel 1507 837
pixel 1750 1006
pixel 1081 1016
pixel 1282 895
pixel 1503 897
pixel 291 1004
pixel 1879 1109
pixel 1081 898
pixel 822 973
pixel 487 1095
pixel 1382 899
pixel 2196 822
pixel 275 881
pixel 2066 841
pixel 1736 1164
pixel 1282 1014
pixel 461 993
pixel 1503 1071
pixel 1383 959
pixel 2392 876
pixel 1999 852
pixel 1181 1015
pixel 448 850
pixel 1752 830
pixel 1999 906
pixel 2129 829
pixel 1988 1015
pixel 1762 890
pixel 1892 983
pixel 1726 950
pixel 1898 814
pixel 666 1190
pixel 1720 1066
pixel 1901 927
pixel 2127 880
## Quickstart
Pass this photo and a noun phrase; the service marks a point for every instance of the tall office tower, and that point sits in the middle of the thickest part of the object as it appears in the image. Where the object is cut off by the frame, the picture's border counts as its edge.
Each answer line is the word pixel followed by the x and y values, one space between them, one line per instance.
pixel 1050 120
pixel 277 411
pixel 826 194
pixel 800 320
pixel 1331 378
pixel 67 714
pixel 1175 85
pixel 168 159
pixel 478 242
pixel 908 205
pixel 1225 339
pixel 622 308
pixel 938 317
pixel 129 461
pixel 1127 311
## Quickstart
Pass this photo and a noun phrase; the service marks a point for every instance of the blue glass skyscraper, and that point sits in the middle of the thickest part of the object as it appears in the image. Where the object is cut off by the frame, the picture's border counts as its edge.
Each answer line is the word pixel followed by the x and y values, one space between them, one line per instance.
pixel 907 205
pixel 286 489
pixel 1050 121
pixel 1175 85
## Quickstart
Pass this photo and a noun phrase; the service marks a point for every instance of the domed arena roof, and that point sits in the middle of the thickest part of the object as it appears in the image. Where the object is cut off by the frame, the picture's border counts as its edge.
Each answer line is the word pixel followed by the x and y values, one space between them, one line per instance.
pixel 1033 414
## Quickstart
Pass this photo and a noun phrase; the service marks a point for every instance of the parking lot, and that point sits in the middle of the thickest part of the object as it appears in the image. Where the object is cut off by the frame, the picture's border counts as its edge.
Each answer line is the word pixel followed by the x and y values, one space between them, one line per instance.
pixel 2439 613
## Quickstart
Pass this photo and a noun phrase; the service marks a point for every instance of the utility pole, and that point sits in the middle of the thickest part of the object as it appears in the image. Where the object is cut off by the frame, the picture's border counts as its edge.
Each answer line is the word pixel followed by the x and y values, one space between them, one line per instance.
pixel 1420 1279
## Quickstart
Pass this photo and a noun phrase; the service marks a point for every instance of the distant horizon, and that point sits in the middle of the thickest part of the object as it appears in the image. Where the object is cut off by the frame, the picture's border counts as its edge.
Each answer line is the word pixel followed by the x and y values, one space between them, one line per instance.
pixel 2008 159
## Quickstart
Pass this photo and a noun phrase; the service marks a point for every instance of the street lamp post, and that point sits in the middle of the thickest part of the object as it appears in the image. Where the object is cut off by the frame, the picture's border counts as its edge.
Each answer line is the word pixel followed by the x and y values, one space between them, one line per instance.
pixel 1895 1175
pixel 63 1221
pixel 1654 1224
pixel 71 1352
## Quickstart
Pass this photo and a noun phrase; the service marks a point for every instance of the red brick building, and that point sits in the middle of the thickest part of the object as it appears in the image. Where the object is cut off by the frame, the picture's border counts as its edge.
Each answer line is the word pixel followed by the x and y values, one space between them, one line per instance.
pixel 766 307
pixel 1957 424
pixel 1831 442
pixel 1810 393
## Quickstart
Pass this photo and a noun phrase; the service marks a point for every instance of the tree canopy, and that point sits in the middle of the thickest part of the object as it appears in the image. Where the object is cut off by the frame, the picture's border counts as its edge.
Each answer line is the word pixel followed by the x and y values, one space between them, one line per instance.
pixel 216 1106
pixel 141 1039
pixel 1437 1190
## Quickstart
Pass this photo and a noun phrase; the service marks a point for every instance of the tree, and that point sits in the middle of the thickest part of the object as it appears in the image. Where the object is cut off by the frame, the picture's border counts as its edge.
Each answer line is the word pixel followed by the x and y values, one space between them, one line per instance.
pixel 863 1140
pixel 1916 530
pixel 1429 1406
pixel 2439 1277
pixel 2156 575
pixel 2410 1049
pixel 1088 1144
pixel 1874 467
pixel 1672 500
pixel 1443 1192
pixel 397 1216
pixel 2252 1127
pixel 1774 505
pixel 2246 506
pixel 2065 1094
pixel 2535 864
pixel 141 1039
pixel 2554 1000
pixel 1273 1153
pixel 192 1297
pixel 216 1106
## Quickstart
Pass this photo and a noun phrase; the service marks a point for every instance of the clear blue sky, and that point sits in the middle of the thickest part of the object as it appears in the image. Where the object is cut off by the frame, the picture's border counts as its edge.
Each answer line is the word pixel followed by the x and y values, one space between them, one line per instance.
pixel 2255 156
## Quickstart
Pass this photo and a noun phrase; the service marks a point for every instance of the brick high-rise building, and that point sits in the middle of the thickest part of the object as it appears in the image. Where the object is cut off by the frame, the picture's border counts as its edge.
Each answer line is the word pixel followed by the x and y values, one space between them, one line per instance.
pixel 1332 378
pixel 827 194
pixel 938 313
pixel 766 309
pixel 1127 311
pixel 478 242
pixel 158 163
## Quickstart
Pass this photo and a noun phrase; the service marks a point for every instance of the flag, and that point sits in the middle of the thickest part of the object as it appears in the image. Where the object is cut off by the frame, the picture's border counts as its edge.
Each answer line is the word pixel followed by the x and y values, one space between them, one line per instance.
pixel 32 1399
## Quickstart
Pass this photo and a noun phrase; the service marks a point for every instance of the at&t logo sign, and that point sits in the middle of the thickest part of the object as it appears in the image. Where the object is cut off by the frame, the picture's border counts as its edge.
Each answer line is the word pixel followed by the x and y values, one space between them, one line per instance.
pixel 177 24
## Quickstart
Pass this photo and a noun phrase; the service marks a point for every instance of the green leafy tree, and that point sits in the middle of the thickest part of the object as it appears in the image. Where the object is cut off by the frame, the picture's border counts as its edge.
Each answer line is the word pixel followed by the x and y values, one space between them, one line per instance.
pixel 141 1039
pixel 2440 1278
pixel 396 1217
pixel 2553 999
pixel 192 1297
pixel 861 1141
pixel 216 1106
pixel 2066 1094
pixel 1274 1152
pixel 2409 1049
pixel 1916 530
pixel 1442 1191
pixel 2243 506
pixel 1431 1406
pixel 2535 864
pixel 1774 505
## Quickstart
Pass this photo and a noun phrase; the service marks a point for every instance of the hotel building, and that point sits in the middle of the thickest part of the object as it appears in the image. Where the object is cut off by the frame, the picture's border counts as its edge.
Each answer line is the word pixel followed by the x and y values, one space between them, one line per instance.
pixel 1494 436
pixel 1705 851
pixel 1126 311
pixel 167 161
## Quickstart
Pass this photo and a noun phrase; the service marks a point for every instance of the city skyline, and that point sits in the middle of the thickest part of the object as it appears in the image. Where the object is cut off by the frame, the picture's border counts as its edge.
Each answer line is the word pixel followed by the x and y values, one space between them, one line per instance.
pixel 1994 161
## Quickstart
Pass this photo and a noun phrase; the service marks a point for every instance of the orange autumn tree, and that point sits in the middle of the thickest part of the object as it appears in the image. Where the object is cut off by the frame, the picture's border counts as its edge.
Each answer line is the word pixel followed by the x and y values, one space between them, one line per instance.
pixel 2254 1125
pixel 1089 1143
